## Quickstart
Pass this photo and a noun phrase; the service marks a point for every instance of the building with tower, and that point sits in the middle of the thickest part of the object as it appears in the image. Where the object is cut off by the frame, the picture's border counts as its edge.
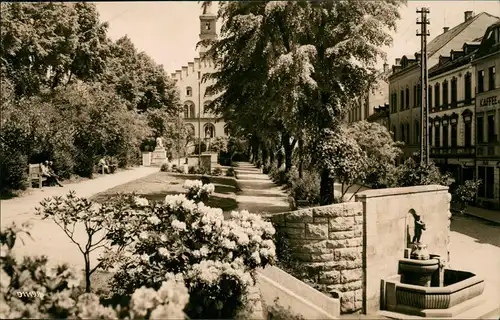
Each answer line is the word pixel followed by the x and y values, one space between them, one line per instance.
pixel 193 94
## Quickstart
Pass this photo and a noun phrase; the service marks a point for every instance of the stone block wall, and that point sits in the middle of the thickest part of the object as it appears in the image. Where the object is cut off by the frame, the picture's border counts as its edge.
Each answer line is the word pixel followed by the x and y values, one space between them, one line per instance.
pixel 328 240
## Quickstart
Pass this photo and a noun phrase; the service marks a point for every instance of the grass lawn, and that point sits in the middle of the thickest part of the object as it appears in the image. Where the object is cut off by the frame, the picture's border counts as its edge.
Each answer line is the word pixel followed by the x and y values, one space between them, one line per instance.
pixel 156 186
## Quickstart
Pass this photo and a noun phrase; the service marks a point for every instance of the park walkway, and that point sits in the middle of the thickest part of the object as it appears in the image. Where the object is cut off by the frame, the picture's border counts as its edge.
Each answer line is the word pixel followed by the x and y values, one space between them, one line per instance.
pixel 48 239
pixel 259 194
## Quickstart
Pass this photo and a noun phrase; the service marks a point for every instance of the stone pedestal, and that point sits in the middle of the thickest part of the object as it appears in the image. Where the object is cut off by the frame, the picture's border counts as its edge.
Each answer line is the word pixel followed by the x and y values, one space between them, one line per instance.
pixel 146 159
pixel 158 157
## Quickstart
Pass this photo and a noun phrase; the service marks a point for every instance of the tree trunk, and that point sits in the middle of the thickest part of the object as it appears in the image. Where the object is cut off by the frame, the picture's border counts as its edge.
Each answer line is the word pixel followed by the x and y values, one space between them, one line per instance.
pixel 326 188
pixel 288 146
pixel 265 155
pixel 87 274
pixel 301 158
pixel 271 157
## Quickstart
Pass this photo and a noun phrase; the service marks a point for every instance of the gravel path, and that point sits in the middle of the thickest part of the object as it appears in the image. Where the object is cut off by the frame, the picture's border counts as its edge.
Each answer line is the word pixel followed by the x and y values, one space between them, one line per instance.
pixel 48 239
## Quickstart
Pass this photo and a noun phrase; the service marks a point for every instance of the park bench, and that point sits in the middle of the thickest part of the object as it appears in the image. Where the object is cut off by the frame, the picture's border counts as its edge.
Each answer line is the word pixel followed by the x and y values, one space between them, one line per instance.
pixel 112 167
pixel 35 175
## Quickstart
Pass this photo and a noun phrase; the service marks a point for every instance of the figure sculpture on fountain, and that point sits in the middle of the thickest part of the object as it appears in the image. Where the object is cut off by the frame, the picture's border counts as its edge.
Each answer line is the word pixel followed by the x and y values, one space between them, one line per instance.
pixel 419 227
pixel 159 143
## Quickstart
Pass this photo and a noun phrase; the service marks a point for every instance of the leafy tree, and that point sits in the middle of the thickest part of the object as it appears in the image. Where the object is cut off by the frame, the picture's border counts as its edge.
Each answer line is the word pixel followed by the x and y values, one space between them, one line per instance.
pixel 381 150
pixel 413 173
pixel 465 193
pixel 294 67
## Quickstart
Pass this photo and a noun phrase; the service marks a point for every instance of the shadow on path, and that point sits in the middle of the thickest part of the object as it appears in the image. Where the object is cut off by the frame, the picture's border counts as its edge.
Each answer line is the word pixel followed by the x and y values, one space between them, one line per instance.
pixel 258 193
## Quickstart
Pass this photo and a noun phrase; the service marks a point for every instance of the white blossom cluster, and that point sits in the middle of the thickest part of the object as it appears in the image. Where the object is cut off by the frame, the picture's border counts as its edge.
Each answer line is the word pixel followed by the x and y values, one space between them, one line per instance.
pixel 198 191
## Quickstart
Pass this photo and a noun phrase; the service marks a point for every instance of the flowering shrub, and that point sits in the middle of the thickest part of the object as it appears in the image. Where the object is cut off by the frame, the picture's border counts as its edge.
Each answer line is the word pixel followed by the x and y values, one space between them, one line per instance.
pixel 216 257
pixel 56 291
pixel 197 191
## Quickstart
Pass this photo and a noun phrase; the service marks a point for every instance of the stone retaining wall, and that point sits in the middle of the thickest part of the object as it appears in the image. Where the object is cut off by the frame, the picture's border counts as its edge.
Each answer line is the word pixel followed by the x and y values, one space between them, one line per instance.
pixel 329 240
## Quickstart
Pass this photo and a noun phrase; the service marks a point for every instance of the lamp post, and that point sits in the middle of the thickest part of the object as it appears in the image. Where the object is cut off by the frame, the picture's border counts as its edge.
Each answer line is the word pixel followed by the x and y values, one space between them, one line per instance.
pixel 179 141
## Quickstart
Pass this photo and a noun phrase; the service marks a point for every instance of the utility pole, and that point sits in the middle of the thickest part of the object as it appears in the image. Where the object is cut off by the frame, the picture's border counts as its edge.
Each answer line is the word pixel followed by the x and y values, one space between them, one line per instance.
pixel 424 84
pixel 199 122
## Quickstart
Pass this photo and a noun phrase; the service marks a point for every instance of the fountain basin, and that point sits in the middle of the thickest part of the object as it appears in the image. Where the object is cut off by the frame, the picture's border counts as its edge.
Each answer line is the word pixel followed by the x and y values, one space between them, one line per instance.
pixel 461 291
pixel 418 272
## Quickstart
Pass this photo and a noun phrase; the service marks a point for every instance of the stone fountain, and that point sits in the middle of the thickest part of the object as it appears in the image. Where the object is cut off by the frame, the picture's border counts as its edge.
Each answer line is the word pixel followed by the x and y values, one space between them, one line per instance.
pixel 425 287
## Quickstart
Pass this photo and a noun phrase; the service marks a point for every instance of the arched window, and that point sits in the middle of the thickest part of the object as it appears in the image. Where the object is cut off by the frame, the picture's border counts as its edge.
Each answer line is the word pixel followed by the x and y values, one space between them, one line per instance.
pixel 189 110
pixel 226 130
pixel 209 130
pixel 189 92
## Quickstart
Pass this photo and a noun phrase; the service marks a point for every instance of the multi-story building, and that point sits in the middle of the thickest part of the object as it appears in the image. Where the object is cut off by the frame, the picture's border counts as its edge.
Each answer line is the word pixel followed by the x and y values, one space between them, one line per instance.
pixel 193 94
pixel 451 115
pixel 404 82
pixel 486 62
pixel 377 96
pixel 381 116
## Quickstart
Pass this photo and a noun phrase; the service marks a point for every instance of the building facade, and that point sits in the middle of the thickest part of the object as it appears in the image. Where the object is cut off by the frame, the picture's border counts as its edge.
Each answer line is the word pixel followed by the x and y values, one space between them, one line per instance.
pixel 451 117
pixel 486 62
pixel 192 87
pixel 404 82
pixel 377 96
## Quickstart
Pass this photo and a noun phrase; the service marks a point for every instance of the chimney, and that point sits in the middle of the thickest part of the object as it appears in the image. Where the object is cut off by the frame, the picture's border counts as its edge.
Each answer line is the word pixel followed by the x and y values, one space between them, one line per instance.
pixel 468 15
pixel 386 67
pixel 398 61
pixel 445 29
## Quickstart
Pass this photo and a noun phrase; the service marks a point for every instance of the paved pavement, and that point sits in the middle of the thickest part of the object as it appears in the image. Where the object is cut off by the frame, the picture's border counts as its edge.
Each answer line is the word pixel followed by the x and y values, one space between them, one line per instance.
pixel 48 239
pixel 258 192
pixel 475 246
pixel 490 215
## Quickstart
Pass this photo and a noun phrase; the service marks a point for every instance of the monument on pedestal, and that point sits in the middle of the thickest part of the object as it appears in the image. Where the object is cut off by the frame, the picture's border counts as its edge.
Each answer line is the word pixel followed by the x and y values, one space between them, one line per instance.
pixel 159 155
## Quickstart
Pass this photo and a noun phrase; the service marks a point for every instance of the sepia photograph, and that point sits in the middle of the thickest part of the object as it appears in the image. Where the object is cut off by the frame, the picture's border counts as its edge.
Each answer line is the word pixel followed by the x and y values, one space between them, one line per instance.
pixel 260 160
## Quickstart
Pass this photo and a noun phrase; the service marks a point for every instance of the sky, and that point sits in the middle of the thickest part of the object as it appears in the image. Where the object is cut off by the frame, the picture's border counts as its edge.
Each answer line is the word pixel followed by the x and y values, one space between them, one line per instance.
pixel 168 31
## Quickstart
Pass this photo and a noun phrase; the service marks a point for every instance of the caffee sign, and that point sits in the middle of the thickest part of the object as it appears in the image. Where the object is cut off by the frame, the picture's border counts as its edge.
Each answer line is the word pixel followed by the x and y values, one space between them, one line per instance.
pixel 490 101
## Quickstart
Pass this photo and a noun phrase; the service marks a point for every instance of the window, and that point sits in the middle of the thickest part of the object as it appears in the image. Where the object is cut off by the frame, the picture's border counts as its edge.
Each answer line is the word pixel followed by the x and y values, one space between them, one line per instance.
pixel 189 110
pixel 189 92
pixel 394 133
pixel 414 96
pixel 209 131
pixel 481 174
pixel 402 100
pixel 480 129
pixel 419 95
pixel 367 109
pixel 407 98
pixel 437 135
pixel 468 87
pixel 429 102
pixel 492 137
pixel 445 136
pixel 480 81
pixel 453 135
pixel 207 26
pixel 429 140
pixel 186 111
pixel 199 75
pixel 445 93
pixel 436 96
pixel 403 138
pixel 454 92
pixel 491 78
pixel 407 133
pixel 416 130
pixel 468 134
pixel 489 182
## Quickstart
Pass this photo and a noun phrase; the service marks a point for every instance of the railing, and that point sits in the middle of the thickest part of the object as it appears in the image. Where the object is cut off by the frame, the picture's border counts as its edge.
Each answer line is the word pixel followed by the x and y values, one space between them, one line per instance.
pixel 453 151
pixel 488 150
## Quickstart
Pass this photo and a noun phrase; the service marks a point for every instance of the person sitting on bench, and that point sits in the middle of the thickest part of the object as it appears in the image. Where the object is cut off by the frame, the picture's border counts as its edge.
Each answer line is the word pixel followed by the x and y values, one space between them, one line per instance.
pixel 49 173
pixel 104 165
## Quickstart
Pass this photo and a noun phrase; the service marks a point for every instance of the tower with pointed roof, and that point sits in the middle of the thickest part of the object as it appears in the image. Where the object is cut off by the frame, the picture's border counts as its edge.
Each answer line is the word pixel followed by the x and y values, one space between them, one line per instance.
pixel 208 25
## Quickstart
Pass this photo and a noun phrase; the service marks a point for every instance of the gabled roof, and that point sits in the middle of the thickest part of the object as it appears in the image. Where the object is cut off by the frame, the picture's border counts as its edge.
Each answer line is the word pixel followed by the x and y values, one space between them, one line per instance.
pixel 442 39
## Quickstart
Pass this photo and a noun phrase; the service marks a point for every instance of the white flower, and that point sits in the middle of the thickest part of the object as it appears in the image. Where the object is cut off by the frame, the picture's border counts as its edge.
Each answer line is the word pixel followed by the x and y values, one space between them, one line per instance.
pixel 4 250
pixel 256 257
pixel 163 238
pixel 179 225
pixel 143 300
pixel 144 235
pixel 164 252
pixel 141 202
pixel 204 251
pixel 145 257
pixel 154 220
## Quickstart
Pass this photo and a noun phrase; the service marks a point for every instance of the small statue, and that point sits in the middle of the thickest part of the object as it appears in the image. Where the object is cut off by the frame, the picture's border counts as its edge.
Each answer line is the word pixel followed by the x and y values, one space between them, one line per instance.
pixel 159 143
pixel 419 227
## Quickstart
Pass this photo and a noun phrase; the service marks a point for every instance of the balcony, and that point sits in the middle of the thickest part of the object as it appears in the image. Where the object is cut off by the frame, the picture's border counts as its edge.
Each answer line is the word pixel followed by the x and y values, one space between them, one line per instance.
pixel 453 152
